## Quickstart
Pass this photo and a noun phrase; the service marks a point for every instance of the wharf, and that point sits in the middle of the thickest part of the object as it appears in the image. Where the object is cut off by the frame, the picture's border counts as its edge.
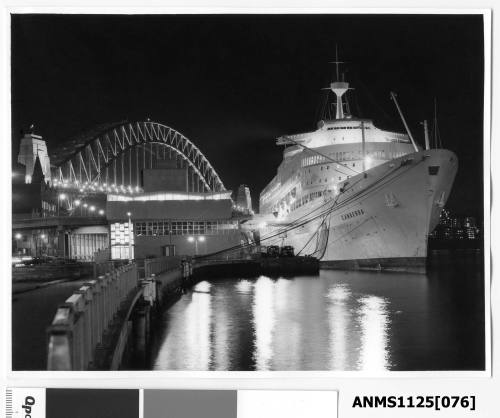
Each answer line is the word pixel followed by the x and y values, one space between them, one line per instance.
pixel 273 266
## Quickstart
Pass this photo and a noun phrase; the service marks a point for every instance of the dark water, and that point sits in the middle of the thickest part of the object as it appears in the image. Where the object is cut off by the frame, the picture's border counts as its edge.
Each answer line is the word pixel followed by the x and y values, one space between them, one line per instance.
pixel 338 321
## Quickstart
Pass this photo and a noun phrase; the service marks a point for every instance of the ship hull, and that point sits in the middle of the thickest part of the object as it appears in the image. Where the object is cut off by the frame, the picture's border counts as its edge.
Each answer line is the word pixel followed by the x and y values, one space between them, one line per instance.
pixel 382 218
pixel 395 264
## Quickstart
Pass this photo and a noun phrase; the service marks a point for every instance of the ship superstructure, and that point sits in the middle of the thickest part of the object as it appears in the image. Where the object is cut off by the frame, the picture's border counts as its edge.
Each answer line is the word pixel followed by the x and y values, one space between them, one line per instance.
pixel 355 195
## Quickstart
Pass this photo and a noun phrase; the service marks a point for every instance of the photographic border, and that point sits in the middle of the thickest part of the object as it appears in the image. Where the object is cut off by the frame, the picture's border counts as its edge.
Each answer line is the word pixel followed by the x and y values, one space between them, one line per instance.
pixel 235 379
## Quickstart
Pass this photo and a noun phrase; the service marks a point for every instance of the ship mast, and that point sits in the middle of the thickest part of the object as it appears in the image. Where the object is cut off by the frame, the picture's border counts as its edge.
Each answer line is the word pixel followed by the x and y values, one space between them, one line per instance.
pixel 338 87
pixel 393 97
pixel 436 137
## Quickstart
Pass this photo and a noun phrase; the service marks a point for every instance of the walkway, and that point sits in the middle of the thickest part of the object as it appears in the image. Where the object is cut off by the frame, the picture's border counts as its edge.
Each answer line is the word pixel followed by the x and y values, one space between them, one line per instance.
pixel 32 312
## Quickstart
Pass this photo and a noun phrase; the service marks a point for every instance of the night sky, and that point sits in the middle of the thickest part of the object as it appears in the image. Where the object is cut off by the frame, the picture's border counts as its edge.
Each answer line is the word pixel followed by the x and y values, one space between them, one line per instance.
pixel 232 84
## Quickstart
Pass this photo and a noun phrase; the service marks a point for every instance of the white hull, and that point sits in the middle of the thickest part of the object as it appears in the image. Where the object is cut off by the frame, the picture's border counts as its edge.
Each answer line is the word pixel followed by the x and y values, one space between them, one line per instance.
pixel 383 218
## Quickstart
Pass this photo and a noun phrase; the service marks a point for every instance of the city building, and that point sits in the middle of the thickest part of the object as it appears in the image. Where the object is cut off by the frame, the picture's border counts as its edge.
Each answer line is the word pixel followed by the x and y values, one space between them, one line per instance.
pixel 33 148
pixel 51 222
pixel 244 199
pixel 455 228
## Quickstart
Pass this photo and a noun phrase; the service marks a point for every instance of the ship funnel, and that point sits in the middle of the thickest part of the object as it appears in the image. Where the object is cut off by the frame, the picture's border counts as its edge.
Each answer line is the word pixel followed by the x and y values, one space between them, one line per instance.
pixel 339 88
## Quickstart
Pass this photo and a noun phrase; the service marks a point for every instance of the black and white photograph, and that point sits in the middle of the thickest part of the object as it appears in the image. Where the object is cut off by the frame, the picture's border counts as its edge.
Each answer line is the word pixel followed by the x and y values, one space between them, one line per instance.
pixel 249 192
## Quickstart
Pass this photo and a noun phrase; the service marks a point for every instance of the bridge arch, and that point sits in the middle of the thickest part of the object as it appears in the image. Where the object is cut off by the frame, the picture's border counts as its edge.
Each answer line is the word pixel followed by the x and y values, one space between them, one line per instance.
pixel 113 159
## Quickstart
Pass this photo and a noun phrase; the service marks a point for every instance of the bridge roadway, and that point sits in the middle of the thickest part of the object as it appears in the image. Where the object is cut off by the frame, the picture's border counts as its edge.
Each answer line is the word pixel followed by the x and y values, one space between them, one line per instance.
pixel 57 221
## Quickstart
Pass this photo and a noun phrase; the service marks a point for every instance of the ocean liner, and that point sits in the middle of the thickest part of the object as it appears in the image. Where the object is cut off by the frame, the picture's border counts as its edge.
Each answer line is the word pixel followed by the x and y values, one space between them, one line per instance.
pixel 356 196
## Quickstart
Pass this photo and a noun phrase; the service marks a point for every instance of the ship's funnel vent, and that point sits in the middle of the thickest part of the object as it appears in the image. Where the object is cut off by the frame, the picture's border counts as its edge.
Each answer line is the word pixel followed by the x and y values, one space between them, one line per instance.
pixel 339 88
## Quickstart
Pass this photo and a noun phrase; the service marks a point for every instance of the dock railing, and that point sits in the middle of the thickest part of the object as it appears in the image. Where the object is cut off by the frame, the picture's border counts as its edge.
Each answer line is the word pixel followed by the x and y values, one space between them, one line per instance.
pixel 103 268
pixel 80 323
pixel 102 256
pixel 160 265
pixel 233 255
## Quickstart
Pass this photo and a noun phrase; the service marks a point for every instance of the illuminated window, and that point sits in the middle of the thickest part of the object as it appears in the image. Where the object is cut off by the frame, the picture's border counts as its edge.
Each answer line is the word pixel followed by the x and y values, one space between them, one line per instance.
pixel 162 228
pixel 121 252
pixel 121 239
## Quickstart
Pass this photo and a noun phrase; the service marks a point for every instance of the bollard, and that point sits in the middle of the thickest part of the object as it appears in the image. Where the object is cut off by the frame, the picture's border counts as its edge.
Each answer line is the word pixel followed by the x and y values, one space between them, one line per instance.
pixel 149 290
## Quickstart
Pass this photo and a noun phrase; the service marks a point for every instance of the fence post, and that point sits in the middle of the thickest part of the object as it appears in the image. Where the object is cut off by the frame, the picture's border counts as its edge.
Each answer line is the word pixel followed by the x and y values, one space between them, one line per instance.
pixel 79 324
pixel 77 303
pixel 60 340
pixel 86 293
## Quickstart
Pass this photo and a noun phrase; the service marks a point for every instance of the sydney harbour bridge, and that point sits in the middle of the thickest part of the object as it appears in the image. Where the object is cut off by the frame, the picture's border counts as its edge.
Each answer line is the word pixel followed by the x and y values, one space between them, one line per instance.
pixel 82 172
pixel 111 158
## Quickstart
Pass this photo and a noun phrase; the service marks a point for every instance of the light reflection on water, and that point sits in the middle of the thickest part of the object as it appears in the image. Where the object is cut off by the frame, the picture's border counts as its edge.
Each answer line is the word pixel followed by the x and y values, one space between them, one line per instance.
pixel 373 317
pixel 337 321
pixel 339 318
pixel 264 302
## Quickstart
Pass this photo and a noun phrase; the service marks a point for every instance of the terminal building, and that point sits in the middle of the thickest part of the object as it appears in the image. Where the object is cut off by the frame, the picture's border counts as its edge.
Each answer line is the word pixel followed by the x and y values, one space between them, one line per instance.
pixel 168 220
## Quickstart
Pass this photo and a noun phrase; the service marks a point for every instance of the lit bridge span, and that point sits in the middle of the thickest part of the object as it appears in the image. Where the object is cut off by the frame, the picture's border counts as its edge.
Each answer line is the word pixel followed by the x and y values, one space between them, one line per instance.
pixel 110 159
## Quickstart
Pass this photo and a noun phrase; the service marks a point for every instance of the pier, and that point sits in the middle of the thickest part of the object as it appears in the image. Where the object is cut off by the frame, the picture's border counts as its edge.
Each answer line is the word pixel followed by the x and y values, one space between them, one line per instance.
pixel 109 317
pixel 93 328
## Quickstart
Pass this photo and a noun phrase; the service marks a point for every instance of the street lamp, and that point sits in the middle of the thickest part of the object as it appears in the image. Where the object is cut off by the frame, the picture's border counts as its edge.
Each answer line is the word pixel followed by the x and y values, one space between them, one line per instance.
pixel 202 239
pixel 42 238
pixel 195 240
pixel 18 237
pixel 77 203
pixel 101 212
pixel 192 239
pixel 61 196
